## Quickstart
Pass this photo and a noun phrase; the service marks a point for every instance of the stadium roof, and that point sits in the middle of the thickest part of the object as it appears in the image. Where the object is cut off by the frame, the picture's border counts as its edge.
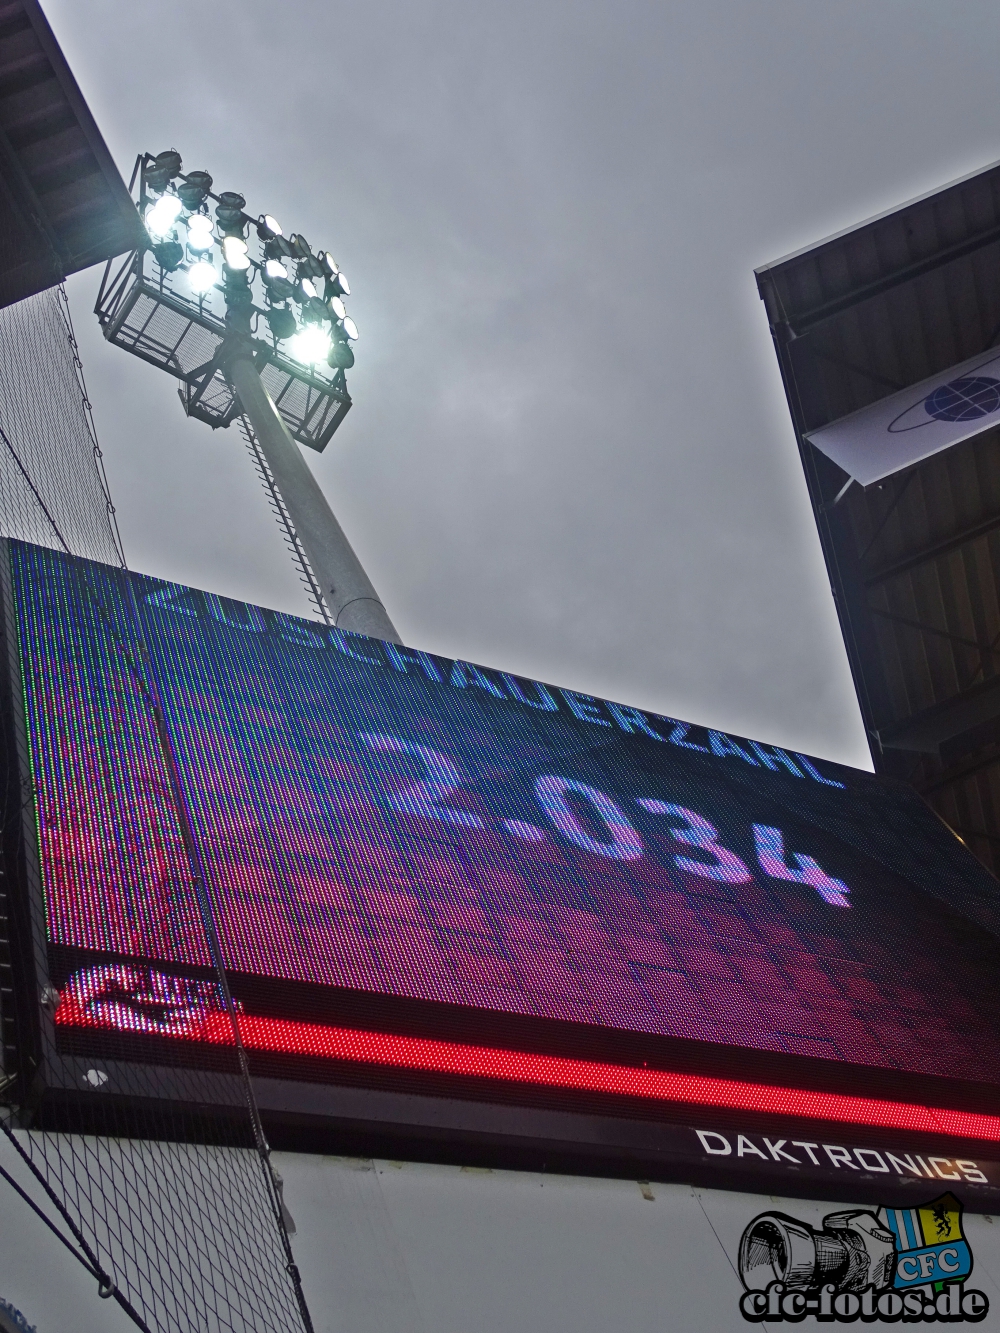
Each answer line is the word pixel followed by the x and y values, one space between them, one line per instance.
pixel 63 203
pixel 914 561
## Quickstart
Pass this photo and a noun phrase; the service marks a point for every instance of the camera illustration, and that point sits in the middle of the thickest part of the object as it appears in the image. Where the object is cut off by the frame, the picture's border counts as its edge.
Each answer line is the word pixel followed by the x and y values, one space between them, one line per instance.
pixel 852 1250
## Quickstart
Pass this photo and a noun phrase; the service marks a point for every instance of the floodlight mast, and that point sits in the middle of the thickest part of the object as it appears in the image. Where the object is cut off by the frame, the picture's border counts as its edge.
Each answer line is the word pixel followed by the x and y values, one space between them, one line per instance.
pixel 347 590
pixel 142 312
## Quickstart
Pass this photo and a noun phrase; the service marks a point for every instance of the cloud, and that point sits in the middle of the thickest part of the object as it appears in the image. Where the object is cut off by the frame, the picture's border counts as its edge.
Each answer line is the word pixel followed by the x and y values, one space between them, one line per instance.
pixel 569 453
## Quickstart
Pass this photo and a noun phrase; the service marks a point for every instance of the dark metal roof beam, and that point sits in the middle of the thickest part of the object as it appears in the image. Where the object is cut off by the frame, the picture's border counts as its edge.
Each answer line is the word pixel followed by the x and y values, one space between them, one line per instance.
pixel 12 19
pixel 55 171
pixel 29 128
pixel 829 309
pixel 981 648
pixel 927 731
pixel 16 179
pixel 24 73
pixel 957 773
pixel 932 552
pixel 841 361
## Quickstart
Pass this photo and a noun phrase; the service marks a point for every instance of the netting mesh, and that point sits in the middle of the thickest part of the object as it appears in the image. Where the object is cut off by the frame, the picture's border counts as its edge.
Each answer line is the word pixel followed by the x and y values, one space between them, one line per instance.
pixel 180 1228
pixel 52 489
pixel 169 1201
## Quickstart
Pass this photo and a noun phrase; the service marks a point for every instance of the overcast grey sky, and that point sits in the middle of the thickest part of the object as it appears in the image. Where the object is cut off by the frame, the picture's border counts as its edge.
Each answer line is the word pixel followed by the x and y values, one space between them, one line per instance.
pixel 569 454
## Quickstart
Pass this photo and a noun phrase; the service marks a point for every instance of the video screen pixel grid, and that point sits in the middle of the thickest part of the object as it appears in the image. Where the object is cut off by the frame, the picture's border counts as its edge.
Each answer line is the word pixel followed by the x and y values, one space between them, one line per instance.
pixel 407 826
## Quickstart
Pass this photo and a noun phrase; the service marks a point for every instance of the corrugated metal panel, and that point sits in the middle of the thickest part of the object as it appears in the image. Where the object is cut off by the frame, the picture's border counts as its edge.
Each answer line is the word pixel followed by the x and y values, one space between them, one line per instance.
pixel 915 561
pixel 63 204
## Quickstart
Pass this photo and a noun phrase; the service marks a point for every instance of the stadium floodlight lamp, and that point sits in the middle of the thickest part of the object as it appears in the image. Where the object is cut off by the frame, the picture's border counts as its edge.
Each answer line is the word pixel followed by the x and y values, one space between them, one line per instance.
pixel 340 357
pixel 282 323
pixel 277 248
pixel 169 255
pixel 308 289
pixel 338 285
pixel 162 216
pixel 268 228
pixel 229 212
pixel 277 287
pixel 235 253
pixel 161 170
pixel 315 312
pixel 193 189
pixel 202 277
pixel 350 328
pixel 337 307
pixel 330 266
pixel 310 345
pixel 200 228
pixel 278 290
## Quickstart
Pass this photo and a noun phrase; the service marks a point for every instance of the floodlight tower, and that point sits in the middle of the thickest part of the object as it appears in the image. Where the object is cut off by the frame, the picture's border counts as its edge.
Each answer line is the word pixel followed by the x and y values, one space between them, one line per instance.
pixel 278 365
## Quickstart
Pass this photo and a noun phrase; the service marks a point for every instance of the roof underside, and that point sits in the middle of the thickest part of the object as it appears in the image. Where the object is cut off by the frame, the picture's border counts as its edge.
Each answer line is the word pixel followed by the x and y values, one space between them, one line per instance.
pixel 914 561
pixel 63 204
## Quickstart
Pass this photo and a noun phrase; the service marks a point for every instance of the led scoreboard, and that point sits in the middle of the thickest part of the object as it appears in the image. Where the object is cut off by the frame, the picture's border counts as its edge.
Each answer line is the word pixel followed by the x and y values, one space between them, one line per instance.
pixel 460 906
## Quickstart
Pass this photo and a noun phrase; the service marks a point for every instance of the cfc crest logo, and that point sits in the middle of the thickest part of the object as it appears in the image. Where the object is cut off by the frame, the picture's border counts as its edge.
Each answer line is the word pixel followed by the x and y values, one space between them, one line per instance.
pixel 906 1265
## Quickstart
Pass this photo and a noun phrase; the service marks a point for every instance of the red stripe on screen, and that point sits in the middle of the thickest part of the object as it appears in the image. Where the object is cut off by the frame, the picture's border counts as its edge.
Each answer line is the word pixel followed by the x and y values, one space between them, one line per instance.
pixel 553 1071
pixel 284 1037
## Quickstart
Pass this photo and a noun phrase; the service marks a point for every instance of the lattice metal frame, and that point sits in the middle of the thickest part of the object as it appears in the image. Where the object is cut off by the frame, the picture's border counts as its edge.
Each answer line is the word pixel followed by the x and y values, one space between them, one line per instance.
pixel 141 308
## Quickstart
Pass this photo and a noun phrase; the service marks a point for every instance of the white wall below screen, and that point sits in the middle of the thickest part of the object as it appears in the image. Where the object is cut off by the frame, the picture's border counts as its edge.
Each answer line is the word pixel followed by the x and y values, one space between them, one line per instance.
pixel 390 1247
pixel 37 1275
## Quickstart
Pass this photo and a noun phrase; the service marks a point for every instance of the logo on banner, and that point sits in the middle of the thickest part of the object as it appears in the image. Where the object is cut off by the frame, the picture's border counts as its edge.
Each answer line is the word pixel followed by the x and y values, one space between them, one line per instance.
pixel 966 399
pixel 899 1264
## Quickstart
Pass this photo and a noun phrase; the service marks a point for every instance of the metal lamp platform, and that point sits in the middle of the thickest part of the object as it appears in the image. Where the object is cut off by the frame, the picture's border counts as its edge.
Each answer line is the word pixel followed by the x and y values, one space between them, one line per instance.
pixel 145 310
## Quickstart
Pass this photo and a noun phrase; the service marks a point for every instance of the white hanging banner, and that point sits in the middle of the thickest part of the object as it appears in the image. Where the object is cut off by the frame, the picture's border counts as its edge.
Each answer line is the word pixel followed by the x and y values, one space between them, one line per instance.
pixel 951 406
